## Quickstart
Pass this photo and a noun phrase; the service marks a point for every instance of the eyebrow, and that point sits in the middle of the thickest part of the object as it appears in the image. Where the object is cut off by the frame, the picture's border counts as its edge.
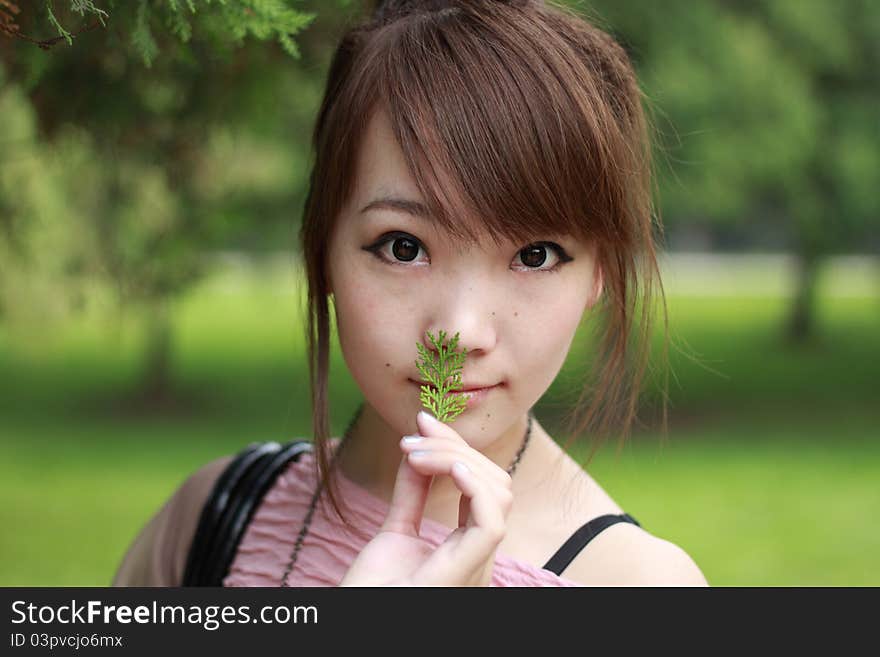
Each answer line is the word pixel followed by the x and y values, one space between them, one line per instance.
pixel 396 204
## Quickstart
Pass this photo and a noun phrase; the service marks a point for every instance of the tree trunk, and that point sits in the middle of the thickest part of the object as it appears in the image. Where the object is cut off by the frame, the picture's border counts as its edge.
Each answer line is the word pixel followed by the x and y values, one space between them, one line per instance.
pixel 156 374
pixel 800 325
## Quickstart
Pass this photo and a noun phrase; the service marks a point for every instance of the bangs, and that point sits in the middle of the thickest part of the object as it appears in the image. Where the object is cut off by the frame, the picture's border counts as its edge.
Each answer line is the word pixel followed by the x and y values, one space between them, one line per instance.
pixel 495 142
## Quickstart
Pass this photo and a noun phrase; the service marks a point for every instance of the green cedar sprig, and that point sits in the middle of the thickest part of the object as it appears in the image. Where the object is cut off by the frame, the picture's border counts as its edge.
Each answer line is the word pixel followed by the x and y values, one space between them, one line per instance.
pixel 443 374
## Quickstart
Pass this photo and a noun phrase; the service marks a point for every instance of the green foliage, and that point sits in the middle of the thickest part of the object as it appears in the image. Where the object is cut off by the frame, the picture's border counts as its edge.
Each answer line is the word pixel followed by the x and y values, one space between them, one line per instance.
pixel 58 26
pixel 142 35
pixel 87 6
pixel 124 157
pixel 442 373
pixel 225 21
pixel 766 112
pixel 231 21
pixel 264 20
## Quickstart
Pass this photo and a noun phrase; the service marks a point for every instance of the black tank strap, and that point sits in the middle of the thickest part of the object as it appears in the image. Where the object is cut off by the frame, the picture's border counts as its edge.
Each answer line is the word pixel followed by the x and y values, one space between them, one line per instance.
pixel 576 542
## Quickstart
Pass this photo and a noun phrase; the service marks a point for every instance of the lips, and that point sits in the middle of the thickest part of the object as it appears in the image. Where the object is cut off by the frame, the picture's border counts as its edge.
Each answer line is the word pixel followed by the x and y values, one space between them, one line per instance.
pixel 472 396
pixel 465 388
pixel 476 387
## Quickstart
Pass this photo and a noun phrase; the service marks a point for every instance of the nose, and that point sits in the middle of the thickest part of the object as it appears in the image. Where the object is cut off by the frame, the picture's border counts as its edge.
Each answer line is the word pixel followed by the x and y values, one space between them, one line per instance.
pixel 466 310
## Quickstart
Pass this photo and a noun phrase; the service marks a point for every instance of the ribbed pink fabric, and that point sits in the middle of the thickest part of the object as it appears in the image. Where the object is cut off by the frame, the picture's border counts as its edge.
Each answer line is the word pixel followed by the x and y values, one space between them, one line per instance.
pixel 329 546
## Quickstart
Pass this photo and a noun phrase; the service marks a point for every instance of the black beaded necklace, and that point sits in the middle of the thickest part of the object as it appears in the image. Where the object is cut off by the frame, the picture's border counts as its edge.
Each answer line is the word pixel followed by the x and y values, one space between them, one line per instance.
pixel 342 443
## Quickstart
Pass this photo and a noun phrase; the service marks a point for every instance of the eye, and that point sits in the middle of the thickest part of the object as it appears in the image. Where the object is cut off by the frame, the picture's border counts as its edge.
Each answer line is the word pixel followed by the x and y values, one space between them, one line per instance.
pixel 404 248
pixel 535 255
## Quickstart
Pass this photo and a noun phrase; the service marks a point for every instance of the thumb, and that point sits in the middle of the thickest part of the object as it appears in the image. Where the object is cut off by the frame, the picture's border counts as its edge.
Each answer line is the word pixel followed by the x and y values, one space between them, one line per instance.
pixel 408 500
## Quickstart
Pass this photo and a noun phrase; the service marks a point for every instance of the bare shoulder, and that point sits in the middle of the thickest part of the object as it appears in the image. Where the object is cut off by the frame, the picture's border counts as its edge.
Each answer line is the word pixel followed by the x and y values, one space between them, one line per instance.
pixel 624 554
pixel 157 556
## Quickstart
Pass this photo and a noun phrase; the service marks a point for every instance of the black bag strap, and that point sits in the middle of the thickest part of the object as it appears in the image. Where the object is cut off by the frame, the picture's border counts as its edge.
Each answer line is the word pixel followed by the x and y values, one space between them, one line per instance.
pixel 230 506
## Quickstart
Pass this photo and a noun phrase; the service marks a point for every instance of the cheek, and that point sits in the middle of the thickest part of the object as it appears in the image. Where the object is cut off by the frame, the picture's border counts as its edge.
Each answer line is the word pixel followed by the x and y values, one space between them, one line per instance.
pixel 544 338
pixel 372 331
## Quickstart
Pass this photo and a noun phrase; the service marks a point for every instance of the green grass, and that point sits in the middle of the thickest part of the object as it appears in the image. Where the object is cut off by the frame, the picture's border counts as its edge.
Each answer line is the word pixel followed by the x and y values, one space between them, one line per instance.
pixel 769 475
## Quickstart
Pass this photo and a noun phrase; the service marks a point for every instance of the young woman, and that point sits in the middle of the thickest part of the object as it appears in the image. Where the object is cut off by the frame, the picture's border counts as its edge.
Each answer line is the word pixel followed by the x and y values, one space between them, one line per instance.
pixel 481 168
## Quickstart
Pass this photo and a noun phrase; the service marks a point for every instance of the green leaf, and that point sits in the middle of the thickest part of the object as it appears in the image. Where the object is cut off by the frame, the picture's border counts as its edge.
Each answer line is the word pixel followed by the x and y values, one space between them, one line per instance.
pixel 441 374
pixel 142 36
pixel 58 26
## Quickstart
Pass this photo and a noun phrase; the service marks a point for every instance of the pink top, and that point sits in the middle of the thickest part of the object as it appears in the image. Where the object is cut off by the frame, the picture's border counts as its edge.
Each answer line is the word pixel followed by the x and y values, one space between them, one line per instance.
pixel 329 546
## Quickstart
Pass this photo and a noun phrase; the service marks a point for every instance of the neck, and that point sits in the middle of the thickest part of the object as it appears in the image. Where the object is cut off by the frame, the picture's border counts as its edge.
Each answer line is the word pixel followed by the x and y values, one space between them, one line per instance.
pixel 372 457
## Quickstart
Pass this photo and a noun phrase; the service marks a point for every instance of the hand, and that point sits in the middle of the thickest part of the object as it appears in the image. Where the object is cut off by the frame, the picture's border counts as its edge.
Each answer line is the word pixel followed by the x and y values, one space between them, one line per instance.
pixel 397 556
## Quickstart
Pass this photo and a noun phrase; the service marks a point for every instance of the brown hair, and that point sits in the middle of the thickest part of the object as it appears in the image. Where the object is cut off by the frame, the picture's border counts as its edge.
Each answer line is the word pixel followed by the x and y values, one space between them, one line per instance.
pixel 523 115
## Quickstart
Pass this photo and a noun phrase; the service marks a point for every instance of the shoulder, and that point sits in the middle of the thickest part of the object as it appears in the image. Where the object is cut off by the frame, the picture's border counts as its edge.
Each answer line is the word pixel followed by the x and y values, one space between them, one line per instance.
pixel 623 554
pixel 157 556
pixel 626 555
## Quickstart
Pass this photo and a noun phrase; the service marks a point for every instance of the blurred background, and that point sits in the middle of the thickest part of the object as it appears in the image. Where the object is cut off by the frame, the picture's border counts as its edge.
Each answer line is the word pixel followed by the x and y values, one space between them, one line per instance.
pixel 153 163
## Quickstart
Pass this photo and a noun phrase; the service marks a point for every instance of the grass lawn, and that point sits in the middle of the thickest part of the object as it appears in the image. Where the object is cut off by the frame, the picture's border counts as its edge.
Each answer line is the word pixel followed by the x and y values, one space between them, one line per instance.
pixel 769 474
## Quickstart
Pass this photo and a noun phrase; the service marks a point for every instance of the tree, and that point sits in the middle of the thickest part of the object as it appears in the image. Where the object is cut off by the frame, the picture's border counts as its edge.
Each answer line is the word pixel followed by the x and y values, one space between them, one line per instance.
pixel 139 135
pixel 773 115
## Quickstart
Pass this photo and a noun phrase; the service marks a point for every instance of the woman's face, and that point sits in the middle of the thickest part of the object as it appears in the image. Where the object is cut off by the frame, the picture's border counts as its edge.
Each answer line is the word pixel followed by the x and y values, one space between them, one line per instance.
pixel 394 277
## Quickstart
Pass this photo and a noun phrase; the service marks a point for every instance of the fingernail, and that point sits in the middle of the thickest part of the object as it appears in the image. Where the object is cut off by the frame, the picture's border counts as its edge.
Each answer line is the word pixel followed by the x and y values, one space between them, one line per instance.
pixel 411 440
pixel 430 419
pixel 418 454
pixel 460 468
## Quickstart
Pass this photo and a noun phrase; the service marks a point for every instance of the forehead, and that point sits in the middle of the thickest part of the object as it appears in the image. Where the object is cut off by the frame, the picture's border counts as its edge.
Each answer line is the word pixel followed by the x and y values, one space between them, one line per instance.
pixel 381 168
pixel 385 185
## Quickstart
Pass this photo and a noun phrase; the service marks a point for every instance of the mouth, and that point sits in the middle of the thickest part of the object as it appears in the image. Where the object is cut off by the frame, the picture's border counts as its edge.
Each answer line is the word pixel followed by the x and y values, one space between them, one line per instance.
pixel 457 390
pixel 473 396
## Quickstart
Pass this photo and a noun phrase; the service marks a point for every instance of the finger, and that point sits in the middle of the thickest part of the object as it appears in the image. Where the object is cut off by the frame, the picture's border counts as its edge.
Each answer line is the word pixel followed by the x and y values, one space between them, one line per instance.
pixel 488 505
pixel 430 426
pixel 474 459
pixel 469 549
pixel 408 500
pixel 439 460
